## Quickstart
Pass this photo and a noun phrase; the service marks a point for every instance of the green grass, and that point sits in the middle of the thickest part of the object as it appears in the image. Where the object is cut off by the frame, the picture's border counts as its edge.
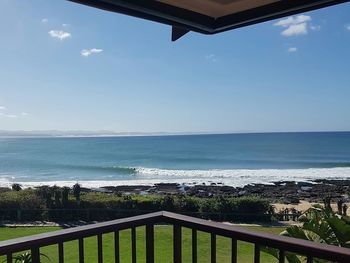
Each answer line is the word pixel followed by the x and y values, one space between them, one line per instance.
pixel 163 245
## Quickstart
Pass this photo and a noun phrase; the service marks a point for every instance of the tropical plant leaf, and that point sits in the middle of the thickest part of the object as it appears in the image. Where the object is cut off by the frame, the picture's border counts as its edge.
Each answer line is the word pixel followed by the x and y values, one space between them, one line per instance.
pixel 295 231
pixel 291 257
pixel 340 228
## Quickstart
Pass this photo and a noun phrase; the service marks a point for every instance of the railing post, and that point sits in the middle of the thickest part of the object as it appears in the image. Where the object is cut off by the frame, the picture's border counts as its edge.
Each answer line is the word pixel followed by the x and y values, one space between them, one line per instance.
pixel 177 244
pixel 149 243
pixel 281 256
pixel 9 258
pixel 194 246
pixel 116 247
pixel 35 255
pixel 60 252
pixel 257 253
pixel 213 248
pixel 234 250
pixel 99 248
pixel 309 259
pixel 81 250
pixel 133 244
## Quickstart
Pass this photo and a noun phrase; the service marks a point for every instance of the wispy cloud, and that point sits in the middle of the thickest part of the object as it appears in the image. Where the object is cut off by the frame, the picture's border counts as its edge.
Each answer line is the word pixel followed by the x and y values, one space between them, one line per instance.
pixel 296 25
pixel 211 57
pixel 292 49
pixel 88 52
pixel 61 35
pixel 347 27
pixel 315 28
pixel 5 114
pixel 65 25
pixel 44 20
pixel 8 115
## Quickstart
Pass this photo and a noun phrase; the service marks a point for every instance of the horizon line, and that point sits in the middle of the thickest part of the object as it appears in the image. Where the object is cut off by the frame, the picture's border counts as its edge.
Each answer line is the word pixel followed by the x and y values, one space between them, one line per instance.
pixel 102 134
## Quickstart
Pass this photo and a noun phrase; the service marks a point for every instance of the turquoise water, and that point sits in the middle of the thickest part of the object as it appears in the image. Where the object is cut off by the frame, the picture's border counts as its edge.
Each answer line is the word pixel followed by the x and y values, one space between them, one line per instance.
pixel 234 159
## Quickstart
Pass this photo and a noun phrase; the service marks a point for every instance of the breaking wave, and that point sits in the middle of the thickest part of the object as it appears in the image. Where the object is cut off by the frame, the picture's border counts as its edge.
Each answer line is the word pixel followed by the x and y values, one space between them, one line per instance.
pixel 232 177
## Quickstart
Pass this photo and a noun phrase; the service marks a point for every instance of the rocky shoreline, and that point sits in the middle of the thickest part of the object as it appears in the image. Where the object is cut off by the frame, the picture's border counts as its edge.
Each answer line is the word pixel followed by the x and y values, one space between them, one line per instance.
pixel 284 192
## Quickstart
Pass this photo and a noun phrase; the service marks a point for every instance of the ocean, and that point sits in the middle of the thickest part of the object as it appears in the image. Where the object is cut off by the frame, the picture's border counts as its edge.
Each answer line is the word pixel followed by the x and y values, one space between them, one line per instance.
pixel 230 159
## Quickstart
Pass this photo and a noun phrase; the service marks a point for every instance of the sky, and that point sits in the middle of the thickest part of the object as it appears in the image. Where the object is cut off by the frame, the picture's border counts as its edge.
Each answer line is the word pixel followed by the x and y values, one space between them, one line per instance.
pixel 64 66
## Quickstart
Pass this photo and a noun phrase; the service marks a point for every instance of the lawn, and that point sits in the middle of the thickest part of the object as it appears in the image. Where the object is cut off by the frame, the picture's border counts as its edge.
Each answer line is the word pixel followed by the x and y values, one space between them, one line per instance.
pixel 163 245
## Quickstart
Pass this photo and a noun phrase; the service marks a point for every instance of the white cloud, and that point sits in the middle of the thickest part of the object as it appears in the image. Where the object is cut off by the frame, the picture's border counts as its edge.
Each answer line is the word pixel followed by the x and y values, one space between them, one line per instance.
pixel 211 57
pixel 292 49
pixel 8 115
pixel 11 115
pixel 293 20
pixel 65 25
pixel 4 113
pixel 61 35
pixel 88 52
pixel 315 28
pixel 296 25
pixel 44 20
pixel 295 30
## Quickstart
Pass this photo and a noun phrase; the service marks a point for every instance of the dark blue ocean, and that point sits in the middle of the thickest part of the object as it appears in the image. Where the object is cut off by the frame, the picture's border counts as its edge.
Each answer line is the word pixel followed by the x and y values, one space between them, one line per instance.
pixel 231 159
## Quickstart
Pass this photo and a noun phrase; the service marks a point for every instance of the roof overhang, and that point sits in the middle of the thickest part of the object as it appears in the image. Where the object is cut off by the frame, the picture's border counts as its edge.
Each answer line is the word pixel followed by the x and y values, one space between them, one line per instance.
pixel 208 16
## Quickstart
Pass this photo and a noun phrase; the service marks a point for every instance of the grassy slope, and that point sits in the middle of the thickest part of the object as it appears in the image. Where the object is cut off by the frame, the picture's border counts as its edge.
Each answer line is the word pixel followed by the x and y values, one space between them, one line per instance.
pixel 163 245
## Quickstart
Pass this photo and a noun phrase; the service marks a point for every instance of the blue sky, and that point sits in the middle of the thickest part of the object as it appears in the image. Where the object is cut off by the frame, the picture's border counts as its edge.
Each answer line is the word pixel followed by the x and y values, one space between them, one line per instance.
pixel 69 67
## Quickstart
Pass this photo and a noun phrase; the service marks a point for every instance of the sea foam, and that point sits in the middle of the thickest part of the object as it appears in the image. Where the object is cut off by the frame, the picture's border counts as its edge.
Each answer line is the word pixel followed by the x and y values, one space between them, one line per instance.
pixel 232 177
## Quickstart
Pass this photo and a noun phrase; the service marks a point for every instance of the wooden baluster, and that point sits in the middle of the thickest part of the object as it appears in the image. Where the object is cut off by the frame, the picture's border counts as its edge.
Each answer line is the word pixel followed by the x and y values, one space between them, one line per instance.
pixel 281 258
pixel 177 244
pixel 213 248
pixel 256 253
pixel 60 252
pixel 194 246
pixel 149 243
pixel 309 259
pixel 9 258
pixel 133 244
pixel 99 248
pixel 234 250
pixel 81 250
pixel 35 255
pixel 116 247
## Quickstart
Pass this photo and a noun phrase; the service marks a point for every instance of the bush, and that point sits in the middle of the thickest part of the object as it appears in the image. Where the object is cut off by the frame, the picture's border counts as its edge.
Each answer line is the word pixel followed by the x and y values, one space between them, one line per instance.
pixel 60 204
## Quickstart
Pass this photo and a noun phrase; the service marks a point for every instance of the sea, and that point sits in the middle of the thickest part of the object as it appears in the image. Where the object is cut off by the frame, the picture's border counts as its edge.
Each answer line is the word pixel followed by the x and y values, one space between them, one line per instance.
pixel 225 159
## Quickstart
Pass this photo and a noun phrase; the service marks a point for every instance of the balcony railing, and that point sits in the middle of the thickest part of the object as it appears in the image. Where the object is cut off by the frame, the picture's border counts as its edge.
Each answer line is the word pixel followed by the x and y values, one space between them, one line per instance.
pixel 308 249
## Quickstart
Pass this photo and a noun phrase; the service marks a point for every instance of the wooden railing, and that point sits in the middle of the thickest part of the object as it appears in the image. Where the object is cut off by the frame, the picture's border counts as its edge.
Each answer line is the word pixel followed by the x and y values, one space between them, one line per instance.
pixel 283 244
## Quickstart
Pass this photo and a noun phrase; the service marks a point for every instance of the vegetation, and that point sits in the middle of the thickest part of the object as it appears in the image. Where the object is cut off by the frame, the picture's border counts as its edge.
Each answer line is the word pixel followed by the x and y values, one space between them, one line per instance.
pixel 320 225
pixel 16 187
pixel 26 258
pixel 163 246
pixel 55 203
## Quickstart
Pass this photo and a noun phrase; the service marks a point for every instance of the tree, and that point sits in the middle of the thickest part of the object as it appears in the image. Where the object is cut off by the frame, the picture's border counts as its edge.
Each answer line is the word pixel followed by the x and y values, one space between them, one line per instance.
pixel 65 193
pixel 57 194
pixel 16 187
pixel 76 192
pixel 320 225
pixel 46 193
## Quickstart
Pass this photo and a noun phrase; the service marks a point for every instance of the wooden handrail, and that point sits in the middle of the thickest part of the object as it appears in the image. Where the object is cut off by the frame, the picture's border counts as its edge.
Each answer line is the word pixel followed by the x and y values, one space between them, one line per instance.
pixel 299 246
pixel 283 244
pixel 45 239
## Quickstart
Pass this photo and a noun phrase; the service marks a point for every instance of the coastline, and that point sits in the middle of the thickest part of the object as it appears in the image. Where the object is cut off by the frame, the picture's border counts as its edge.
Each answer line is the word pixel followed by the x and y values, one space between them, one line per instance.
pixel 286 193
